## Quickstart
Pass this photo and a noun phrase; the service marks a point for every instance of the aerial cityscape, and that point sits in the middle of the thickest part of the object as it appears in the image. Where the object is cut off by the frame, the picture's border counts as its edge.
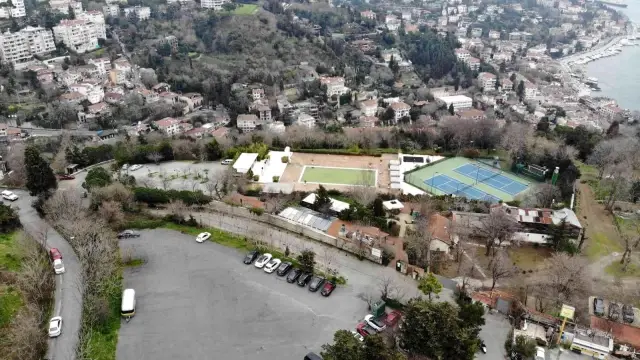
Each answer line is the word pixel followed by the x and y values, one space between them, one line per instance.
pixel 319 179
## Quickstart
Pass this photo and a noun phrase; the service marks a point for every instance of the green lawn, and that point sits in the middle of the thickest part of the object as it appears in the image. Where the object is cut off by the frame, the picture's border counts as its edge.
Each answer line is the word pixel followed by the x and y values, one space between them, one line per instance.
pixel 600 245
pixel 246 9
pixel 615 269
pixel 9 253
pixel 339 176
pixel 10 297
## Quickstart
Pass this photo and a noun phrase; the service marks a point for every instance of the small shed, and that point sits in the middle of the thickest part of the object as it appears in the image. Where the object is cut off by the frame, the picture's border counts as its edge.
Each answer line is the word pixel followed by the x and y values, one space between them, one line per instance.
pixel 72 168
pixel 394 204
pixel 245 162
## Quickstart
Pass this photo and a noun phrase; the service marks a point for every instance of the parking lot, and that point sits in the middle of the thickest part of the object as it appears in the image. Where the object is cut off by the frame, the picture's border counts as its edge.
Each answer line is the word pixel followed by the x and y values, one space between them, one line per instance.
pixel 199 301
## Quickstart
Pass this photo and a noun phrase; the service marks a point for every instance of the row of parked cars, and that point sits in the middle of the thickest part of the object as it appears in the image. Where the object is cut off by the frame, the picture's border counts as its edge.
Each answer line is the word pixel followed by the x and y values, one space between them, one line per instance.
pixel 614 311
pixel 293 275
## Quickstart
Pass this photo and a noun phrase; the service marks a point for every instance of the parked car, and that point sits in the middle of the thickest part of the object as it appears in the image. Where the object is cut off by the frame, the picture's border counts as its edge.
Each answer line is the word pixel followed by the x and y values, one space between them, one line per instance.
pixel 55 254
pixel 627 313
pixel 304 279
pixel 226 162
pixel 357 336
pixel 328 288
pixel 128 234
pixel 203 236
pixel 135 167
pixel 263 260
pixel 272 265
pixel 66 177
pixel 55 326
pixel 614 311
pixel 598 307
pixel 294 274
pixel 365 330
pixel 250 257
pixel 315 283
pixel 375 323
pixel 8 195
pixel 58 266
pixel 393 318
pixel 125 166
pixel 284 268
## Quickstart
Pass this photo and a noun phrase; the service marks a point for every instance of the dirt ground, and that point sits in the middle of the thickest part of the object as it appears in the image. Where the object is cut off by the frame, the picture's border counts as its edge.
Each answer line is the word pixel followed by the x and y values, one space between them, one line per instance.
pixel 299 160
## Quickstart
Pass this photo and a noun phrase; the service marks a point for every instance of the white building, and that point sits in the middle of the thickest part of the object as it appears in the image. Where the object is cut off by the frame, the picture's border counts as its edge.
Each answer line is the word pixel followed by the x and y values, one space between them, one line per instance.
pixel 335 85
pixel 247 122
pixel 459 102
pixel 103 64
pixel 276 127
pixel 20 47
pixel 462 54
pixel 63 6
pixel 494 34
pixel 169 126
pixel 530 91
pixel 400 110
pixel 141 12
pixel 111 10
pixel 487 81
pixel 306 120
pixel 12 9
pixel 213 4
pixel 369 107
pixel 80 35
pixel 93 93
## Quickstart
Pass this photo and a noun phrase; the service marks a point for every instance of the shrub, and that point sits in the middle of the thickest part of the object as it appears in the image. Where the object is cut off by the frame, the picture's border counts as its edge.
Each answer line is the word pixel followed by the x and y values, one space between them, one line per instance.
pixel 159 196
pixel 257 210
pixel 276 178
pixel 9 220
pixel 387 255
pixel 285 159
pixel 471 153
pixel 256 177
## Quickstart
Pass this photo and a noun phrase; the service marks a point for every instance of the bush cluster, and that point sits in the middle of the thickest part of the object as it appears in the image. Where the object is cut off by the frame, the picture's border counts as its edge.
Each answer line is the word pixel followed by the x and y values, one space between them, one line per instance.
pixel 159 196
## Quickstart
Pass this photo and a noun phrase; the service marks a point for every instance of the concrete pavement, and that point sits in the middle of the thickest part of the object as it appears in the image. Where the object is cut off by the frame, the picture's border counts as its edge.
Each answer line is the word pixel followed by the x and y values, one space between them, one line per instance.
pixel 68 296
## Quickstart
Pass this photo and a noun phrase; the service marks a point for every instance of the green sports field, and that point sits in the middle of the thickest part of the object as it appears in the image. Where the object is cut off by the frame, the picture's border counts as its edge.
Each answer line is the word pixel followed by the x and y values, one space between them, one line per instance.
pixel 246 9
pixel 338 176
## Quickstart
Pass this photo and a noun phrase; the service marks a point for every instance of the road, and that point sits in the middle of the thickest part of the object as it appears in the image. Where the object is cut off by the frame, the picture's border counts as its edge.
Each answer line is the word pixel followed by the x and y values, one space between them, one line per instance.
pixel 68 296
pixel 54 132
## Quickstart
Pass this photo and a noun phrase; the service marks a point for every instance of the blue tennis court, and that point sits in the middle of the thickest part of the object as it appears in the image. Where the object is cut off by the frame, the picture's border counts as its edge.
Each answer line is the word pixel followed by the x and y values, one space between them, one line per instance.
pixel 491 178
pixel 452 186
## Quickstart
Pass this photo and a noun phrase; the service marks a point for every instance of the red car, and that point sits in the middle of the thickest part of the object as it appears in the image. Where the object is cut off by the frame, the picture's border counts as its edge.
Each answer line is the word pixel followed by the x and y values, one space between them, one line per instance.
pixel 365 330
pixel 55 254
pixel 392 318
pixel 66 177
pixel 327 289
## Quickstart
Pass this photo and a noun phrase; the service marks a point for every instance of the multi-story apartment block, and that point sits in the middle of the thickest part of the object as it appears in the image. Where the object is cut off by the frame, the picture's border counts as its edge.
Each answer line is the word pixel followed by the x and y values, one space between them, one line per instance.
pixel 169 126
pixel 20 47
pixel 12 9
pixel 140 12
pixel 247 122
pixel 487 81
pixel 213 4
pixel 80 35
pixel 103 64
pixel 335 85
pixel 400 110
pixel 111 10
pixel 265 114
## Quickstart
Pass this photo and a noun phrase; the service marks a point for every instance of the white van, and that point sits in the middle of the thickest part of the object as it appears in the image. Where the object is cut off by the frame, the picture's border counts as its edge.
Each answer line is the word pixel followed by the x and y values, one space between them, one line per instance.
pixel 227 162
pixel 539 353
pixel 128 308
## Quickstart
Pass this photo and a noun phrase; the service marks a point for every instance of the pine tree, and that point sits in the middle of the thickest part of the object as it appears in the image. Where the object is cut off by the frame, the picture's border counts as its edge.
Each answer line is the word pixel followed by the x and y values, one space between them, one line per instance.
pixel 451 109
pixel 323 201
pixel 40 178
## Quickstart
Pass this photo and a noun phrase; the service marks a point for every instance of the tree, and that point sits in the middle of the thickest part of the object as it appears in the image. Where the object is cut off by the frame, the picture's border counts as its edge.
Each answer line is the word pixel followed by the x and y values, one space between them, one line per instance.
pixel 378 209
pixel 346 347
pixel 155 157
pixel 545 195
pixel 393 66
pixel 307 260
pixel 434 331
pixel 213 150
pixel 323 201
pixel 452 111
pixel 429 284
pixel 496 228
pixel 97 177
pixel 561 239
pixel 471 314
pixel 520 89
pixel 9 220
pixel 565 278
pixel 40 178
pixel 629 246
pixel 525 346
pixel 500 268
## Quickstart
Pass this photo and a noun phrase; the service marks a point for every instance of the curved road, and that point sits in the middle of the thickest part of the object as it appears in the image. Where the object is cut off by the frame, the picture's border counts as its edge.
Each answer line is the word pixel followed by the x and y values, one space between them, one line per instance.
pixel 68 296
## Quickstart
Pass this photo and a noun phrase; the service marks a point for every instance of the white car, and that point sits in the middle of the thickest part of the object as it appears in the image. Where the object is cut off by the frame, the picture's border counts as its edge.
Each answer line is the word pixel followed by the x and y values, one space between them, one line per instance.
pixel 125 166
pixel 202 237
pixel 135 167
pixel 8 195
pixel 371 321
pixel 272 265
pixel 226 162
pixel 357 336
pixel 263 260
pixel 55 326
pixel 58 266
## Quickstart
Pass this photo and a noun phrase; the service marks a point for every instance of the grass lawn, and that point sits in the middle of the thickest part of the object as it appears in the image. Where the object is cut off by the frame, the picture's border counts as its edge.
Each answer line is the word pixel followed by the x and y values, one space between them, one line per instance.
pixel 615 269
pixel 9 253
pixel 528 257
pixel 246 9
pixel 600 245
pixel 102 343
pixel 339 176
pixel 10 297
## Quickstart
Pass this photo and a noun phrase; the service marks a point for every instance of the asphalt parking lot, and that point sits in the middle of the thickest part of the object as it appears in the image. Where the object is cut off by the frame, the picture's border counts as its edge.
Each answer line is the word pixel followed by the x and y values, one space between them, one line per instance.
pixel 199 301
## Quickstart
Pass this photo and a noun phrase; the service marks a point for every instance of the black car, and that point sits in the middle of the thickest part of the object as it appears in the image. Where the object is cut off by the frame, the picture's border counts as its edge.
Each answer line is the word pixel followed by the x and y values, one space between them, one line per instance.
pixel 250 257
pixel 627 313
pixel 128 234
pixel 293 275
pixel 327 289
pixel 315 283
pixel 614 311
pixel 304 279
pixel 284 268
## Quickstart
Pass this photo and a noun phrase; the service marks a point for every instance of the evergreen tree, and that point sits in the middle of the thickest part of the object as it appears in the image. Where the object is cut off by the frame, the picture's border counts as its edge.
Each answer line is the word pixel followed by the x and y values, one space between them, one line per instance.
pixel 393 66
pixel 40 178
pixel 520 90
pixel 451 109
pixel 378 209
pixel 323 201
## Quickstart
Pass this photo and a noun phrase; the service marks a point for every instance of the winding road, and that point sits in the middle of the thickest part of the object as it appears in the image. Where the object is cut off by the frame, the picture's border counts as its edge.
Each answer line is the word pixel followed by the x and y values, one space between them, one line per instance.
pixel 68 296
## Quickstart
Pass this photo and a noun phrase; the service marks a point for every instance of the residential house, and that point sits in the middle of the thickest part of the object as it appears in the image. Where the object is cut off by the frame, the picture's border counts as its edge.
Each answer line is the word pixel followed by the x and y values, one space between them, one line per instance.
pixel 196 133
pixel 487 81
pixel 140 12
pixel 400 110
pixel 247 122
pixel 541 221
pixel 148 96
pixel 265 114
pixel 3 129
pixel 462 54
pixel 161 87
pixel 196 99
pixel 103 64
pixel 367 121
pixel 306 120
pixel 45 76
pixel 257 94
pixel 368 14
pixel 459 102
pixel 473 63
pixel 369 107
pixel 168 97
pixel 168 125
pixel 113 98
pixel 334 85
pixel 471 114
pixel 72 97
pixel 494 34
pixel 276 127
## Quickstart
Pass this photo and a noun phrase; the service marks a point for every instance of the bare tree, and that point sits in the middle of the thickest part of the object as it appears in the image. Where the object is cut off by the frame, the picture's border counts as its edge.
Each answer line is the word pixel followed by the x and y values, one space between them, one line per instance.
pixel 155 157
pixel 111 212
pixel 630 245
pixel 177 209
pixel 389 289
pixel 363 192
pixel 276 203
pixel 500 268
pixel 545 195
pixel 165 180
pixel 211 185
pixel 60 163
pixel 17 176
pixel 514 138
pixel 566 277
pixel 496 228
pixel 327 258
pixel 601 157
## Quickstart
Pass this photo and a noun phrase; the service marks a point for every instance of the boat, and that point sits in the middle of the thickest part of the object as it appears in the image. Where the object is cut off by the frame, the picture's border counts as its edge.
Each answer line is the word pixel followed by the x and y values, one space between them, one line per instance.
pixel 591 81
pixel 618 3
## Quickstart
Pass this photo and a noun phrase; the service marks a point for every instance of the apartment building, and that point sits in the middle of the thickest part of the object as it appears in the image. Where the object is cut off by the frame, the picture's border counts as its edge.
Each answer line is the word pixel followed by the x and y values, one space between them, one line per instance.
pixel 12 9
pixel 80 35
pixel 63 6
pixel 19 47
pixel 400 110
pixel 335 85
pixel 93 93
pixel 140 12
pixel 169 126
pixel 111 10
pixel 247 122
pixel 487 81
pixel 213 4
pixel 103 64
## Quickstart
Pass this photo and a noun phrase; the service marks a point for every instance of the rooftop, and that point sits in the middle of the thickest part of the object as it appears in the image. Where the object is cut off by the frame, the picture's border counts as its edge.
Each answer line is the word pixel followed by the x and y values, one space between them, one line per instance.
pixel 336 205
pixel 400 106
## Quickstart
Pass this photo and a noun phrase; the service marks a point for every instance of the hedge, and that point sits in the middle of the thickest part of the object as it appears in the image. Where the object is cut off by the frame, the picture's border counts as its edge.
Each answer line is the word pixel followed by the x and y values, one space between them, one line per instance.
pixel 159 196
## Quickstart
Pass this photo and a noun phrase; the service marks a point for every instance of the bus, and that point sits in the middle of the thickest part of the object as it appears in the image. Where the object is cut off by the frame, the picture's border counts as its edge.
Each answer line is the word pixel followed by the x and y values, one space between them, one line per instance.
pixel 128 308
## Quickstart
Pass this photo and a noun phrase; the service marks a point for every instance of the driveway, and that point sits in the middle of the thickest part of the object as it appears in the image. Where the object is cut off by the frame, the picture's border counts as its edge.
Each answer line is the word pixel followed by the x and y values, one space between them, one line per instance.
pixel 68 296
pixel 494 333
pixel 195 300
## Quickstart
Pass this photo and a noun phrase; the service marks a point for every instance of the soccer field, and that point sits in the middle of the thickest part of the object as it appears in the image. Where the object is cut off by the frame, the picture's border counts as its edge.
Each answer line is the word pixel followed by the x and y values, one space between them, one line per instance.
pixel 338 176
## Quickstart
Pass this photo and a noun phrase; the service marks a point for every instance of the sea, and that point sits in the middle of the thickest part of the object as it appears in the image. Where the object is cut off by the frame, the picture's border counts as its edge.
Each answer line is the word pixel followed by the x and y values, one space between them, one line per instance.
pixel 619 76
